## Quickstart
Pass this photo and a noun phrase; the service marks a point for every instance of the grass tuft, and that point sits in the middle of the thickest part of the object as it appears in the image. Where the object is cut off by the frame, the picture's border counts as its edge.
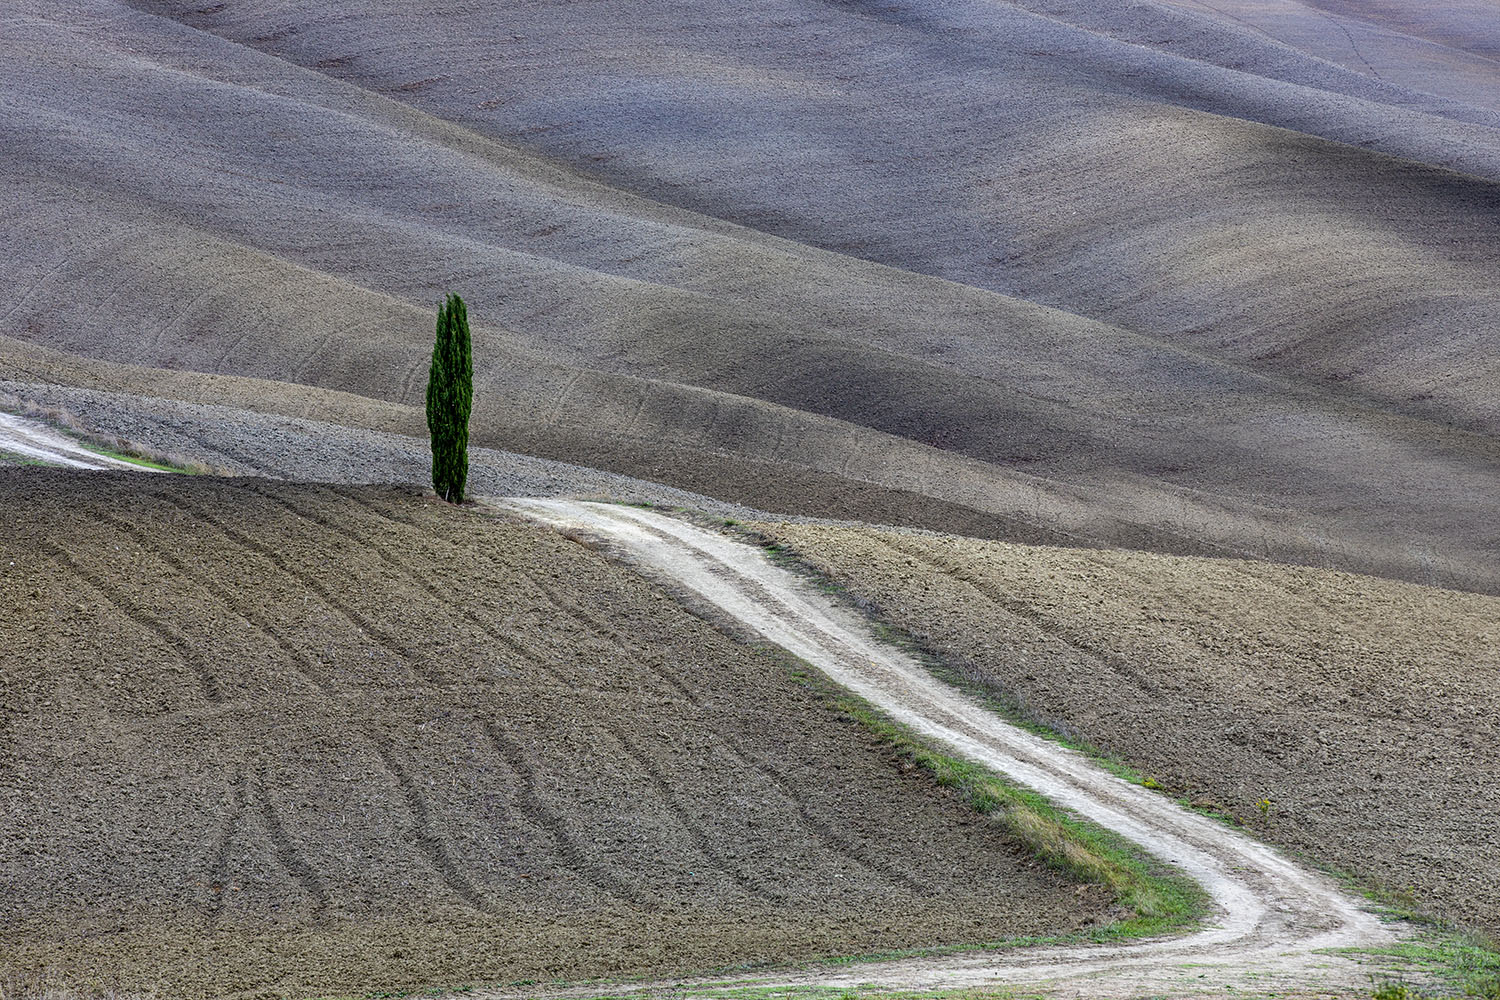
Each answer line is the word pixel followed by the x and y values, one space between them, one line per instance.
pixel 1459 963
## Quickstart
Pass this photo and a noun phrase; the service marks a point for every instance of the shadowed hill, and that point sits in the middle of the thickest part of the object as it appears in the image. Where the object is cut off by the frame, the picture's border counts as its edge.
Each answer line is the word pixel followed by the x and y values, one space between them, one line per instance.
pixel 1102 138
pixel 1249 340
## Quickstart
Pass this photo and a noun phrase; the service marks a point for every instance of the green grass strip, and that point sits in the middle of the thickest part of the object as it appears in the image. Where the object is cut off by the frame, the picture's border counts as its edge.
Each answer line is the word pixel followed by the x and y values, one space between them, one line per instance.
pixel 125 456
pixel 12 458
pixel 1461 963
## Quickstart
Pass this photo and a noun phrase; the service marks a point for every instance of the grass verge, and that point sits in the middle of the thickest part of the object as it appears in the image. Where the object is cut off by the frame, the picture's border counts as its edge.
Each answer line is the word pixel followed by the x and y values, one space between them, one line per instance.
pixel 11 458
pixel 1157 899
pixel 1457 962
pixel 132 455
pixel 110 446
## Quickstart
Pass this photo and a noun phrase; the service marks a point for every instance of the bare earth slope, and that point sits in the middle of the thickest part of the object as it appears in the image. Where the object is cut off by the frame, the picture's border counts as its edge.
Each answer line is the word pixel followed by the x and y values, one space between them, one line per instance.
pixel 1126 273
pixel 1362 711
pixel 256 736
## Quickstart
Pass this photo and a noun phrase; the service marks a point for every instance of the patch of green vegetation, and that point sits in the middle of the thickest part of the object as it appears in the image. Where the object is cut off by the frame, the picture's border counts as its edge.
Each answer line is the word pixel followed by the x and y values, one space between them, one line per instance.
pixel 12 458
pixel 68 425
pixel 1395 990
pixel 133 459
pixel 1460 963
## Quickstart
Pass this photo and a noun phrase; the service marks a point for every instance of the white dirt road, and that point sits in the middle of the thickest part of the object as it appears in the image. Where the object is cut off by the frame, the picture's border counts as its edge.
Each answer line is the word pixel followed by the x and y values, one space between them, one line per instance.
pixel 1273 920
pixel 34 440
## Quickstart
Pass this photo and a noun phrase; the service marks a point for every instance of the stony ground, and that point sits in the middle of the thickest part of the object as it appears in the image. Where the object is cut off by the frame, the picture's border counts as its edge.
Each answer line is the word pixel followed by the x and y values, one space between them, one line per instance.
pixel 234 441
pixel 297 739
pixel 1351 719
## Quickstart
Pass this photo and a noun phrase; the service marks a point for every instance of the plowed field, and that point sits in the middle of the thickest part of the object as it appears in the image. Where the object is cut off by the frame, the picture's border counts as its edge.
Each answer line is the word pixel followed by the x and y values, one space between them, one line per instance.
pixel 259 736
pixel 1349 718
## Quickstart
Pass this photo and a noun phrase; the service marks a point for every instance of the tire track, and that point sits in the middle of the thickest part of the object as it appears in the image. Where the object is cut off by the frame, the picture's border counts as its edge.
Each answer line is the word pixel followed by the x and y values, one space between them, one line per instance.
pixel 81 325
pixel 287 854
pixel 831 838
pixel 255 465
pixel 1353 45
pixel 226 597
pixel 551 821
pixel 423 583
pixel 88 684
pixel 66 258
pixel 558 604
pixel 752 585
pixel 554 414
pixel 530 653
pixel 208 681
pixel 376 634
pixel 154 341
pixel 695 832
pixel 835 840
pixel 423 832
pixel 993 595
pixel 603 628
pixel 775 781
pixel 219 865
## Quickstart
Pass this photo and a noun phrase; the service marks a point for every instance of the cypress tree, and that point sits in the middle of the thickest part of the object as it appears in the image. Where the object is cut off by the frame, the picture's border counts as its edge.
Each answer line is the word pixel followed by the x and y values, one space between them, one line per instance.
pixel 450 398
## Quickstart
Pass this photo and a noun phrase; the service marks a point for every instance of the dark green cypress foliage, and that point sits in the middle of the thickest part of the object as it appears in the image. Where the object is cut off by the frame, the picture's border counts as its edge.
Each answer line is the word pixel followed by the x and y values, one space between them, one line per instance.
pixel 450 398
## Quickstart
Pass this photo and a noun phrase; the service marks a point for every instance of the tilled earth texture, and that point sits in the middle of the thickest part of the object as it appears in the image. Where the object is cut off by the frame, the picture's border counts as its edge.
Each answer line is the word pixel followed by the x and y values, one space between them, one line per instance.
pixel 1206 278
pixel 1353 719
pixel 283 738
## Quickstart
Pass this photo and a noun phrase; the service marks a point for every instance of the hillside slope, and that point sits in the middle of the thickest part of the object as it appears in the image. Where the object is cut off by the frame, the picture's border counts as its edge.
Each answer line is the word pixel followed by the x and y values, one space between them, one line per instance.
pixel 1135 275
pixel 1361 712
pixel 266 737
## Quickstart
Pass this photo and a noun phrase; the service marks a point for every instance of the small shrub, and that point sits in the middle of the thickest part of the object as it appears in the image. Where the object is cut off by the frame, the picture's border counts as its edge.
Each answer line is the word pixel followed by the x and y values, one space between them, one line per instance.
pixel 1396 989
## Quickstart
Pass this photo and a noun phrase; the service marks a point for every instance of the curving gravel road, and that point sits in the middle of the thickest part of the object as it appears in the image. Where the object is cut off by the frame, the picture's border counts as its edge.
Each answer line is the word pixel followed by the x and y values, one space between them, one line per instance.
pixel 1273 922
pixel 37 442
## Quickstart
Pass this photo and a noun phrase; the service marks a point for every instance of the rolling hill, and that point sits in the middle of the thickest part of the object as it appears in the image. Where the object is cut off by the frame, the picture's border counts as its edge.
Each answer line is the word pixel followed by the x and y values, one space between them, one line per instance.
pixel 298 740
pixel 1137 274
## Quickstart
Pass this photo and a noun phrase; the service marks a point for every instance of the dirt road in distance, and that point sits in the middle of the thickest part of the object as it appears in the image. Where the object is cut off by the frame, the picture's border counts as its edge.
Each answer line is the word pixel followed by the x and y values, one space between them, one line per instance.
pixel 35 441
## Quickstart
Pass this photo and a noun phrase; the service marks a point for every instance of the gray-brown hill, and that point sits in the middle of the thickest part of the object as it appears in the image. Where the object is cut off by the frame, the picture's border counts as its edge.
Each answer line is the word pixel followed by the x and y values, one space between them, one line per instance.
pixel 1130 273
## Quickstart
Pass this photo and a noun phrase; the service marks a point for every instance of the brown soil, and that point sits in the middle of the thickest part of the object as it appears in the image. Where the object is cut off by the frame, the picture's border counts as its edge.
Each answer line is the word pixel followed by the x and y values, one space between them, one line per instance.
pixel 1363 712
pixel 299 739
